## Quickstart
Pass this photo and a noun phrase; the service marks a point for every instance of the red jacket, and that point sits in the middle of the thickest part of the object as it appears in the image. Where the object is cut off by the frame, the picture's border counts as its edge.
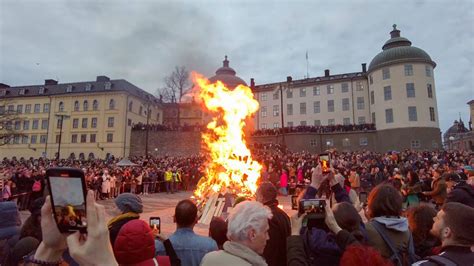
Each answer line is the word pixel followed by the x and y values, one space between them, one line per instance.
pixel 135 245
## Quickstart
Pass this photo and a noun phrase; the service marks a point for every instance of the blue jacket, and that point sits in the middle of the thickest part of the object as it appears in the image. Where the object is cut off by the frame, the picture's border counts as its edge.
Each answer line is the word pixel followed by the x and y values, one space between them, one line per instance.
pixel 9 219
pixel 189 247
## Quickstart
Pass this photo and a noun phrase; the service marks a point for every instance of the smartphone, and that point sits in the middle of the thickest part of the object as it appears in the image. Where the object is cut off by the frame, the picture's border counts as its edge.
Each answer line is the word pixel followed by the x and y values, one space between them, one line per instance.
pixel 324 160
pixel 294 202
pixel 155 222
pixel 67 188
pixel 363 197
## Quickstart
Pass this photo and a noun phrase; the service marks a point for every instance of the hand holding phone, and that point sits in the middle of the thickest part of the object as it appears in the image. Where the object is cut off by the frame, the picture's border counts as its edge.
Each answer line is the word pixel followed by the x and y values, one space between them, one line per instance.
pixel 155 224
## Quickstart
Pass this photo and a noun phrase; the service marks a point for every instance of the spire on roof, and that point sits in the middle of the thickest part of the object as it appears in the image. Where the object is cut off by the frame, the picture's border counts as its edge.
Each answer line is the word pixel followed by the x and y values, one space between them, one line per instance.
pixel 226 62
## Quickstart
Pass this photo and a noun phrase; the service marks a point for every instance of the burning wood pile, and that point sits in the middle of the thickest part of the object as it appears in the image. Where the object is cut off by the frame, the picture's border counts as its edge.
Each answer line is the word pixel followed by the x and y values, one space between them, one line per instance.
pixel 230 171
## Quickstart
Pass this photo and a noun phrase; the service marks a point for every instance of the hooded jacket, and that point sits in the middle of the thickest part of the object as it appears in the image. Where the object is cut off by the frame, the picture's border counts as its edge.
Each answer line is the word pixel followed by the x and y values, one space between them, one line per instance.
pixel 397 231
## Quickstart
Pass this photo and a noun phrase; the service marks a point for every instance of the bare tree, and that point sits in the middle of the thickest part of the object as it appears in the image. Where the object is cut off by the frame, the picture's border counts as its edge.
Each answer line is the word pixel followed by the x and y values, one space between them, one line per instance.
pixel 175 87
pixel 7 122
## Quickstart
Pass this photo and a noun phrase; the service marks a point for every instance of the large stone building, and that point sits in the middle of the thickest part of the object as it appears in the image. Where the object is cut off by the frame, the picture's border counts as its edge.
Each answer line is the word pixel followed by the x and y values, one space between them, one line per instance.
pixel 396 93
pixel 458 137
pixel 97 117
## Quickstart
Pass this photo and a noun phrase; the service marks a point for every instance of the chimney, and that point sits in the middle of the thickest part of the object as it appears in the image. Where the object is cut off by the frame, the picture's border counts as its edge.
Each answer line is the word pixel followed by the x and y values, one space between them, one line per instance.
pixel 3 85
pixel 326 73
pixel 50 82
pixel 102 79
pixel 252 83
pixel 289 79
pixel 364 67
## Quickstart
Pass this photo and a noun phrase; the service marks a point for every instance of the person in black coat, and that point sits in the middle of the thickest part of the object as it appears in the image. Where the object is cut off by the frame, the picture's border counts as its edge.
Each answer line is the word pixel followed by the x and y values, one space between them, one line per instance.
pixel 280 227
pixel 462 193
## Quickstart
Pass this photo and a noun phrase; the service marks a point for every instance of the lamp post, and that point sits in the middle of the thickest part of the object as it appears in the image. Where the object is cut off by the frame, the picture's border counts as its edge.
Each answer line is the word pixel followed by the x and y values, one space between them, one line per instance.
pixel 289 79
pixel 451 139
pixel 147 129
pixel 61 116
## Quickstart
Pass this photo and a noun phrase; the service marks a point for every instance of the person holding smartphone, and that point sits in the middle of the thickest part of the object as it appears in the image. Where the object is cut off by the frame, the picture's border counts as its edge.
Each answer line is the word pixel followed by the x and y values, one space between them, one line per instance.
pixel 128 207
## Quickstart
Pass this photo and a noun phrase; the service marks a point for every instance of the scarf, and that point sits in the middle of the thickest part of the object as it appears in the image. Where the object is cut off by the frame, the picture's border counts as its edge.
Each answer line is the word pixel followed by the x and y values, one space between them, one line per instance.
pixel 121 217
pixel 244 253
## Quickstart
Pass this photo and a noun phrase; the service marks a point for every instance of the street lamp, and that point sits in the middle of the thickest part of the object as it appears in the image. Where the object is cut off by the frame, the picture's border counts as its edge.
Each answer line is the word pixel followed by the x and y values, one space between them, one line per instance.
pixel 451 139
pixel 288 81
pixel 61 116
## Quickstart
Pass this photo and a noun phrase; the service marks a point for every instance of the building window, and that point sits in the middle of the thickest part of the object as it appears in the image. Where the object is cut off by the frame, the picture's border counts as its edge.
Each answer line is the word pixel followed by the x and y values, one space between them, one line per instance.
pixel 95 105
pixel 75 123
pixel 85 106
pixel 346 142
pixel 313 143
pixel 415 144
pixel 37 108
pixel 372 97
pixel 410 90
pixel 264 126
pixel 344 87
pixel 74 138
pixel 24 140
pixel 359 86
pixel 386 73
pixel 58 138
pixel 263 96
pixel 276 110
pixel 330 105
pixel 302 108
pixel 373 117
pixel 360 103
pixel 41 90
pixel 46 108
pixel 130 106
pixel 26 124
pixel 16 140
pixel 317 122
pixel 83 138
pixel 331 122
pixel 289 93
pixel 43 139
pixel 107 85
pixel 345 104
pixel 371 80
pixel 388 116
pixel 112 104
pixel 69 88
pixel 346 121
pixel 430 90
pixel 408 70
pixel 76 106
pixel 19 109
pixel 432 114
pixel 361 120
pixel 276 95
pixel 44 124
pixel 11 109
pixel 387 93
pixel 276 125
pixel 22 92
pixel 289 124
pixel 302 92
pixel 289 109
pixel 316 91
pixel 428 71
pixel 302 123
pixel 94 122
pixel 59 123
pixel 33 139
pixel 317 107
pixel 329 142
pixel 110 122
pixel 263 111
pixel 84 122
pixel 88 87
pixel 35 124
pixel 17 125
pixel 330 89
pixel 61 107
pixel 363 141
pixel 92 138
pixel 27 108
pixel 412 116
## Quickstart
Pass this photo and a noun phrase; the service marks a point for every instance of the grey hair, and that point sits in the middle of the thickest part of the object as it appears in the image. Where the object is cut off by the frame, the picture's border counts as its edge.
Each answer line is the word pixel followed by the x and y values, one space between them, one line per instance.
pixel 245 216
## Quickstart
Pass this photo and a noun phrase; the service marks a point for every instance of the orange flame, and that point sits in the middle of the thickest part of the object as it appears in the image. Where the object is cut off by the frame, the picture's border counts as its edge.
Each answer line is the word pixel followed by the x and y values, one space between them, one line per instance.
pixel 231 167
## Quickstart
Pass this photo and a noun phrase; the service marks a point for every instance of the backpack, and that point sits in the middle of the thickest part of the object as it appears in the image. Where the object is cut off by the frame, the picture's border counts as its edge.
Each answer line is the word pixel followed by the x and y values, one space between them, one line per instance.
pixel 398 257
pixel 37 186
pixel 440 260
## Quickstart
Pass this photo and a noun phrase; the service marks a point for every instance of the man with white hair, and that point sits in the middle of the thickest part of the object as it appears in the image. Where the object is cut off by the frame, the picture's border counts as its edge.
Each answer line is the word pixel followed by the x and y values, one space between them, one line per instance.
pixel 247 232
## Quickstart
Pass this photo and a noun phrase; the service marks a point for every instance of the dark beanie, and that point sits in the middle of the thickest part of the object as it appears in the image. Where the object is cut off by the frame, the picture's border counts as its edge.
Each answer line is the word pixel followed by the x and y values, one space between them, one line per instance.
pixel 268 191
pixel 128 202
pixel 24 247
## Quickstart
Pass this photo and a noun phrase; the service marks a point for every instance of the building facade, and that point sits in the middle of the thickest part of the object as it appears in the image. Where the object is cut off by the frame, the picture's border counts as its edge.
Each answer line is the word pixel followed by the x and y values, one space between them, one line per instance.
pixel 91 119
pixel 396 93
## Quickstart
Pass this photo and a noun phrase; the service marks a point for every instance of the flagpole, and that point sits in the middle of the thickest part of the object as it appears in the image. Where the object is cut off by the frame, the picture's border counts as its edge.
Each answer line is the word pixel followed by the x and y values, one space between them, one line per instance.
pixel 307 66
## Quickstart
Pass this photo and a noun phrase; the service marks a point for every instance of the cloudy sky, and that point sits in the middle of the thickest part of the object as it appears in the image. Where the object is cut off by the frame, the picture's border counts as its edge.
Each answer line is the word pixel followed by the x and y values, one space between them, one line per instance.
pixel 142 41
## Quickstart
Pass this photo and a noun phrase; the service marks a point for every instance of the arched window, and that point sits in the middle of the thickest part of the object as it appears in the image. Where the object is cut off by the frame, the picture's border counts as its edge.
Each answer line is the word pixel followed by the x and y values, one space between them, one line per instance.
pixel 91 156
pixel 81 156
pixel 112 104
pixel 85 106
pixel 61 107
pixel 95 105
pixel 72 156
pixel 130 106
pixel 76 106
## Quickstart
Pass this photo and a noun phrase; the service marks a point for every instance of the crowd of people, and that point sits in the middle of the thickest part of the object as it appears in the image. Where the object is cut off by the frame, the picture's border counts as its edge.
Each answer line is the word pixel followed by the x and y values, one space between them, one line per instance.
pixel 170 127
pixel 315 129
pixel 396 208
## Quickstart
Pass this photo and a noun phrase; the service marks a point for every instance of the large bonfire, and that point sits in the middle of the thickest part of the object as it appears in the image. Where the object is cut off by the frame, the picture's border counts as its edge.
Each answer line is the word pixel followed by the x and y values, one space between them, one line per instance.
pixel 230 168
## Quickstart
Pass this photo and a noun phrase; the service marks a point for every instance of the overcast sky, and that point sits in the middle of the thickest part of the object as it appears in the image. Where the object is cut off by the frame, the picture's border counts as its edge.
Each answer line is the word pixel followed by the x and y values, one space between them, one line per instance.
pixel 141 41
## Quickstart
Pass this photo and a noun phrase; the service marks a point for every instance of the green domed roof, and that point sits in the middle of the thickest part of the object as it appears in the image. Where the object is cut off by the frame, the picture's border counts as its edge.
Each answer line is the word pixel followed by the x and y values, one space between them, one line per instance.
pixel 398 50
